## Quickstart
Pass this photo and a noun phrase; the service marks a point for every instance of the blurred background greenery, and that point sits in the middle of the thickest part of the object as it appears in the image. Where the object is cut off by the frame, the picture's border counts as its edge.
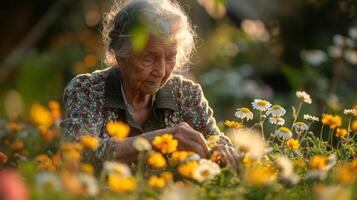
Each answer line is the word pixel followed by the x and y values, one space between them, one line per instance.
pixel 246 50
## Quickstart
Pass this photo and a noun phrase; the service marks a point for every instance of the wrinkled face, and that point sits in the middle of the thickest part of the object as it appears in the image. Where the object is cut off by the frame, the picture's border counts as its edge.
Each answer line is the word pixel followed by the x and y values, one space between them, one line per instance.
pixel 148 71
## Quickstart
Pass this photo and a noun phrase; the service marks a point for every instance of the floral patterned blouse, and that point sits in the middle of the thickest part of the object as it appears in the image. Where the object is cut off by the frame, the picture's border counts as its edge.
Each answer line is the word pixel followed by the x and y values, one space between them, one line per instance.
pixel 92 100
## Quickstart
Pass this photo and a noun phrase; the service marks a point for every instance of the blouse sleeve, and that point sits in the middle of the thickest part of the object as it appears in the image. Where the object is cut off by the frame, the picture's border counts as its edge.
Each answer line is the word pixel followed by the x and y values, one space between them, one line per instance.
pixel 83 116
pixel 198 114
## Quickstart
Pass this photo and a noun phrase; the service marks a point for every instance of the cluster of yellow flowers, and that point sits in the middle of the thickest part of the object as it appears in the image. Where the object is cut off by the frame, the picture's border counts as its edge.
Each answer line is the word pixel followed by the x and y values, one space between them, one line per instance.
pixel 332 121
pixel 118 129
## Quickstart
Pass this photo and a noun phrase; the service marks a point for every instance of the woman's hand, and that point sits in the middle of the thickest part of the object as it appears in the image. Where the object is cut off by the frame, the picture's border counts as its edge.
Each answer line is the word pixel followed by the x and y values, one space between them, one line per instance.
pixel 228 156
pixel 191 140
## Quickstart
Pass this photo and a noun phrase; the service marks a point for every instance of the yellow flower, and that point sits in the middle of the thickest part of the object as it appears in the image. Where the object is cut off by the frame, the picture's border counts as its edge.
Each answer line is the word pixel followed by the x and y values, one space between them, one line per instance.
pixel 345 175
pixel 318 162
pixel 233 124
pixel 41 116
pixel 332 121
pixel 72 150
pixel 14 126
pixel 89 141
pixel 298 164
pixel 341 132
pixel 354 165
pixel 260 175
pixel 72 183
pixel 156 160
pixel 292 143
pixel 216 157
pixel 55 109
pixel 44 163
pixel 118 129
pixel 166 143
pixel 156 182
pixel 213 140
pixel 187 168
pixel 119 184
pixel 354 125
pixel 3 158
pixel 180 155
pixel 116 168
pixel 87 168
pixel 167 176
pixel 247 160
pixel 17 145
pixel 49 134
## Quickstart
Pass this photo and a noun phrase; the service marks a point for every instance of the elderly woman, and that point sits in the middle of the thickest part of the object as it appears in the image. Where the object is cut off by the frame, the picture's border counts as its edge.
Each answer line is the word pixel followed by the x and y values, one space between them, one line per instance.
pixel 140 89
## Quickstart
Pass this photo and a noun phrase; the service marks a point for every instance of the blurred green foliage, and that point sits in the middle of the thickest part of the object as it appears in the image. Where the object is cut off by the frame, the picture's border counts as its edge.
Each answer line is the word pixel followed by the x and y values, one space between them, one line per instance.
pixel 248 52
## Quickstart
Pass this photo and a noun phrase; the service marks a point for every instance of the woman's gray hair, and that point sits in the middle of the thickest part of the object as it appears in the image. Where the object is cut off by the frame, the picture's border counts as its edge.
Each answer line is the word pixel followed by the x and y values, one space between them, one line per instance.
pixel 163 17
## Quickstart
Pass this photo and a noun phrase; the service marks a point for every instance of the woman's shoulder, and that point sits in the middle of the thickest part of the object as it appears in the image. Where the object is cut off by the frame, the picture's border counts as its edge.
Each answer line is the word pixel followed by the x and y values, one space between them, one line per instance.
pixel 185 86
pixel 89 81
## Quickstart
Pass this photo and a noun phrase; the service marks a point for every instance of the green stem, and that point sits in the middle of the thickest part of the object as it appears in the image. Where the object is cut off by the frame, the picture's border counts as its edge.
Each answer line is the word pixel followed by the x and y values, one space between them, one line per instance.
pixel 321 130
pixel 297 115
pixel 330 136
pixel 261 125
pixel 349 127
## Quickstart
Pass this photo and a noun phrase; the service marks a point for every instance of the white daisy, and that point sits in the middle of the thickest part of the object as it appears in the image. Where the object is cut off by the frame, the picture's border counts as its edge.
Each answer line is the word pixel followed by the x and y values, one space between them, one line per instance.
pixel 350 112
pixel 194 156
pixel 351 56
pixel 311 118
pixel 206 170
pixel 334 52
pixel 300 127
pixel 117 168
pixel 284 132
pixel 90 184
pixel 353 33
pixel 286 170
pixel 276 110
pixel 322 173
pixel 313 57
pixel 261 105
pixel 244 113
pixel 178 191
pixel 243 138
pixel 141 144
pixel 277 120
pixel 48 181
pixel 303 96
pixel 338 40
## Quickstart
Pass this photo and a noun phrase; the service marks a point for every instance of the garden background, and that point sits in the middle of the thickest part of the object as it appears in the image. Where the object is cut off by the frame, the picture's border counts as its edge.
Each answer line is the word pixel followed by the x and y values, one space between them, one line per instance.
pixel 246 50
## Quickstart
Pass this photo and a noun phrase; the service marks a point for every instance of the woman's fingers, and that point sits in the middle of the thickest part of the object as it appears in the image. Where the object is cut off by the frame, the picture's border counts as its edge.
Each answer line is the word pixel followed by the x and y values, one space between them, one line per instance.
pixel 186 134
pixel 191 145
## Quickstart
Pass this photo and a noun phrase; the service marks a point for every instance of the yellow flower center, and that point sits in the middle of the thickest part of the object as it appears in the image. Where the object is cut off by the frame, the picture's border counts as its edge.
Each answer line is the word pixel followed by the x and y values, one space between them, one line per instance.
pixel 275 107
pixel 284 129
pixel 262 103
pixel 245 110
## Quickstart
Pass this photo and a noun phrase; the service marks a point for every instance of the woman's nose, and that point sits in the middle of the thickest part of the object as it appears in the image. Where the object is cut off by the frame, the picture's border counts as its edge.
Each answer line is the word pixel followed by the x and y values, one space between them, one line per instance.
pixel 159 70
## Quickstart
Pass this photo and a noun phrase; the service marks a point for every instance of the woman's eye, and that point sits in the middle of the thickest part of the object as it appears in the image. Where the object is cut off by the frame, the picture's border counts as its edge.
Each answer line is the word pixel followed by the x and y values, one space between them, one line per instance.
pixel 149 59
pixel 171 59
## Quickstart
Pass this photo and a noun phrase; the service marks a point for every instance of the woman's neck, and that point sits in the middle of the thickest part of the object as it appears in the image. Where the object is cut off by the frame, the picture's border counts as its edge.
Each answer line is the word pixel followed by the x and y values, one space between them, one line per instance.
pixel 137 100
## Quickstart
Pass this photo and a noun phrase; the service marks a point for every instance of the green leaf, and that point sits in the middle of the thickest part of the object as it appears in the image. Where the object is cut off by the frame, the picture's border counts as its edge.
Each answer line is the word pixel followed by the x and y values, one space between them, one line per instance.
pixel 139 37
